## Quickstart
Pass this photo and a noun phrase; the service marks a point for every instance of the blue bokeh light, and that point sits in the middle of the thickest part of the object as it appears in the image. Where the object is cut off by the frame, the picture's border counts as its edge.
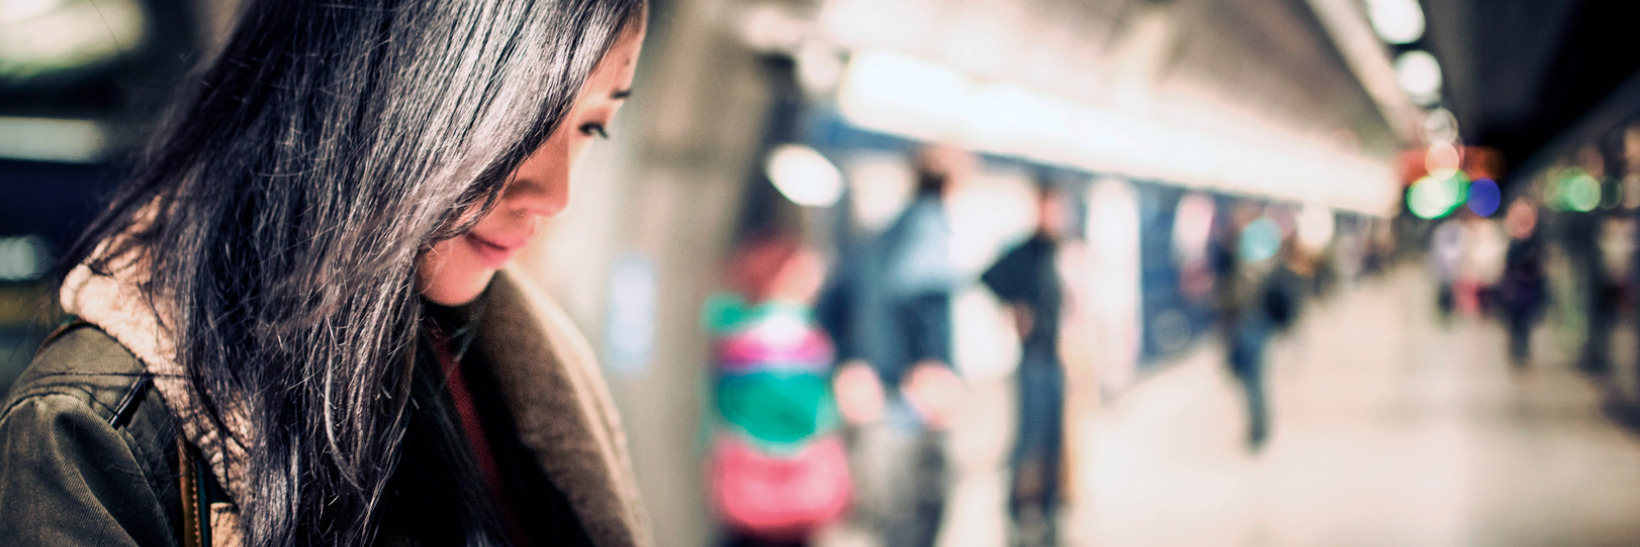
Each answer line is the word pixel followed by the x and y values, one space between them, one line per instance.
pixel 1484 197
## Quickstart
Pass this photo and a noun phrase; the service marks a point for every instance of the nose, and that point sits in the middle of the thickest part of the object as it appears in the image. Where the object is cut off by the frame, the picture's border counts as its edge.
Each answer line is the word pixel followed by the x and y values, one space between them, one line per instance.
pixel 540 187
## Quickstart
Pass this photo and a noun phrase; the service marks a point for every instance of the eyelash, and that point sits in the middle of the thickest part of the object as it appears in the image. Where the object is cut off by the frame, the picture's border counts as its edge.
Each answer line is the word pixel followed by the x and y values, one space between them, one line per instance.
pixel 594 130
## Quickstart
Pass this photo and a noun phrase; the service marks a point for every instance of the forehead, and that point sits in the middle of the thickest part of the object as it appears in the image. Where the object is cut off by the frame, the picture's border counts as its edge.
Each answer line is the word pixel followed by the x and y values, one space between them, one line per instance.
pixel 623 61
pixel 623 54
pixel 616 70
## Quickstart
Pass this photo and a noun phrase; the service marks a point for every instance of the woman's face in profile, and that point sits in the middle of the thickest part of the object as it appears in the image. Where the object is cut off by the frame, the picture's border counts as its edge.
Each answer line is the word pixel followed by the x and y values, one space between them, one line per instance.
pixel 457 270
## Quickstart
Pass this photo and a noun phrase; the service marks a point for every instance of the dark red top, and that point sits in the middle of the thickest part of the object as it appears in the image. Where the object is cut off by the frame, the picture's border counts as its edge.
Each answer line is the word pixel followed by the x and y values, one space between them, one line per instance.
pixel 473 426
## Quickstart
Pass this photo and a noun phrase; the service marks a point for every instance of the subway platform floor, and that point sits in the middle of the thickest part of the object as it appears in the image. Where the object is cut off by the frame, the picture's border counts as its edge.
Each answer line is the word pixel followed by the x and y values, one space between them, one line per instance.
pixel 1391 427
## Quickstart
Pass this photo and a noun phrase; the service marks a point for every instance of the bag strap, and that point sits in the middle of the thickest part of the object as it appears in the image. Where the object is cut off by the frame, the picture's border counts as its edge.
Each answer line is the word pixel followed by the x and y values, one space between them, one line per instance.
pixel 209 517
pixel 196 526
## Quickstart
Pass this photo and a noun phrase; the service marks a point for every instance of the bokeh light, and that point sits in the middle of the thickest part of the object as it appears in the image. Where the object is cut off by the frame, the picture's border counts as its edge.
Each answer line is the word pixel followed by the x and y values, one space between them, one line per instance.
pixel 1192 227
pixel 1521 220
pixel 1441 125
pixel 40 37
pixel 16 11
pixel 1316 226
pixel 1612 194
pixel 1419 75
pixel 1260 240
pixel 1432 197
pixel 1396 21
pixel 1442 160
pixel 1579 191
pixel 23 258
pixel 804 176
pixel 1484 197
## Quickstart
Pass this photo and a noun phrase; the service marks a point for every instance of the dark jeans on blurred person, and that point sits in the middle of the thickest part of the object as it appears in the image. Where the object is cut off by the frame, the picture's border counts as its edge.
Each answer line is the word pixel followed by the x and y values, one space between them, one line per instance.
pixel 1604 302
pixel 1445 300
pixel 743 540
pixel 1522 293
pixel 1039 449
pixel 1246 348
pixel 1520 337
pixel 900 473
pixel 1521 311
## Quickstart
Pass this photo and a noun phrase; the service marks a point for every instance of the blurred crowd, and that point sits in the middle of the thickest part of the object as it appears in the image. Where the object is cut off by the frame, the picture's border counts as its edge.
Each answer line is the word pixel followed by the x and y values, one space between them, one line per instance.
pixel 842 357
pixel 888 302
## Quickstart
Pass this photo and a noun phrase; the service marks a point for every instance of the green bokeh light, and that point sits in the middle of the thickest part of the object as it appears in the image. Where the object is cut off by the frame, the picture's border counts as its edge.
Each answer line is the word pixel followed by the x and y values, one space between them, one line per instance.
pixel 1579 191
pixel 1434 198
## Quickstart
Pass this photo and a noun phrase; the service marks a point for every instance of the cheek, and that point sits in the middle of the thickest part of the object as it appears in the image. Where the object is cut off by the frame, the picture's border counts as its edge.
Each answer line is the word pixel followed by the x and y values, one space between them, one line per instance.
pixel 448 275
pixel 434 259
pixel 579 148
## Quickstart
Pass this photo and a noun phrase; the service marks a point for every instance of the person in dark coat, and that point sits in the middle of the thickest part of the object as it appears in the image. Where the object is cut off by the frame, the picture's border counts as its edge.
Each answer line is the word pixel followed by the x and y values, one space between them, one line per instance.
pixel 297 323
pixel 889 310
pixel 1028 280
pixel 1522 289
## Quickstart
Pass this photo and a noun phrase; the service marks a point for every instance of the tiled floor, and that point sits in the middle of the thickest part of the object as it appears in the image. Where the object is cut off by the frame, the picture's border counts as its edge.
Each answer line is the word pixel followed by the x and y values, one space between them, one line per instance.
pixel 1391 428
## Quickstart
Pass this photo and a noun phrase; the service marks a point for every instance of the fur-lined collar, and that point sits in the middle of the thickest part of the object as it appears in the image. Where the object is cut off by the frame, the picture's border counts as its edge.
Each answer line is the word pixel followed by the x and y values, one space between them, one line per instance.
pixel 547 372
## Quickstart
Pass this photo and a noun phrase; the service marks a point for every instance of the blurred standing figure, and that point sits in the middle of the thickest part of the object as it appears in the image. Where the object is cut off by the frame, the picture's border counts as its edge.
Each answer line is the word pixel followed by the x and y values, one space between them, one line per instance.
pixel 778 468
pixel 1028 280
pixel 1482 266
pixel 1522 286
pixel 1445 256
pixel 1578 237
pixel 1257 295
pixel 889 309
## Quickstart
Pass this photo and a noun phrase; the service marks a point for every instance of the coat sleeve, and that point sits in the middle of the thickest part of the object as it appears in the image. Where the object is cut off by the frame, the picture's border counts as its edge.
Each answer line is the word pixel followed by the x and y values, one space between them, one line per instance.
pixel 1006 278
pixel 926 320
pixel 67 477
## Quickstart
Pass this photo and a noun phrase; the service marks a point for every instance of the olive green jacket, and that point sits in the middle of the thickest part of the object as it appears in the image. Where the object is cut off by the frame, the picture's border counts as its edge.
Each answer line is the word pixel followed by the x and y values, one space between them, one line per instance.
pixel 85 461
pixel 91 454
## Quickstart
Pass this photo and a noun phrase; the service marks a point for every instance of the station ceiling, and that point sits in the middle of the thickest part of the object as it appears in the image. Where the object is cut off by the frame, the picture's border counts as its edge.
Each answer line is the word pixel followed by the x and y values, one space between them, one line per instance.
pixel 1519 74
pixel 1523 73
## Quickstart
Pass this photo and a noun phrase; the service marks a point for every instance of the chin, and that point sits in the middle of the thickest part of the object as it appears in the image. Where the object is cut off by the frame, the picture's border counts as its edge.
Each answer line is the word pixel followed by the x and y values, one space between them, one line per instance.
pixel 459 295
pixel 449 287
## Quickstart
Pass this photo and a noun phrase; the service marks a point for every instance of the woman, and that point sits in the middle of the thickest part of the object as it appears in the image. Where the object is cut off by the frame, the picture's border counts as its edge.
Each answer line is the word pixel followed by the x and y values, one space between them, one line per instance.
pixel 298 327
pixel 1523 286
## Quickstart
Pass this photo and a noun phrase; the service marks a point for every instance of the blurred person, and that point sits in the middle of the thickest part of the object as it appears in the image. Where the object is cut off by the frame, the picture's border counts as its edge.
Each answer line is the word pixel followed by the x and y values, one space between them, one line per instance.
pixel 889 310
pixel 1522 287
pixel 778 469
pixel 1192 228
pixel 1381 247
pixel 1617 244
pixel 1482 265
pixel 1258 287
pixel 1612 240
pixel 1348 254
pixel 1580 237
pixel 1445 257
pixel 297 323
pixel 1028 280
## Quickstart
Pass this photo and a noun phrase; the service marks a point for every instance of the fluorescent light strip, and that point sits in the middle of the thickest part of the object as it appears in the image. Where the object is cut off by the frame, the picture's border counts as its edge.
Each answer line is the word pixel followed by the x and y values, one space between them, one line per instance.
pixel 895 93
pixel 52 139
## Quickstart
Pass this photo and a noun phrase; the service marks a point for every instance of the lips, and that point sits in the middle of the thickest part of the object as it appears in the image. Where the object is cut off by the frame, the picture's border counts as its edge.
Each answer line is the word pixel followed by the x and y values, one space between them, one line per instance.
pixel 494 254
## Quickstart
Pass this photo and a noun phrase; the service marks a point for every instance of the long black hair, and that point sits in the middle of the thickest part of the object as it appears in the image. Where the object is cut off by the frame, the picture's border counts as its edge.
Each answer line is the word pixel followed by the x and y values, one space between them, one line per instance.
pixel 282 212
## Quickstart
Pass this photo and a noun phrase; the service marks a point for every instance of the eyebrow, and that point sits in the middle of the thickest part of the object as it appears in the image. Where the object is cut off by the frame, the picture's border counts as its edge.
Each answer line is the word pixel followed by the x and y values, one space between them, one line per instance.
pixel 621 94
